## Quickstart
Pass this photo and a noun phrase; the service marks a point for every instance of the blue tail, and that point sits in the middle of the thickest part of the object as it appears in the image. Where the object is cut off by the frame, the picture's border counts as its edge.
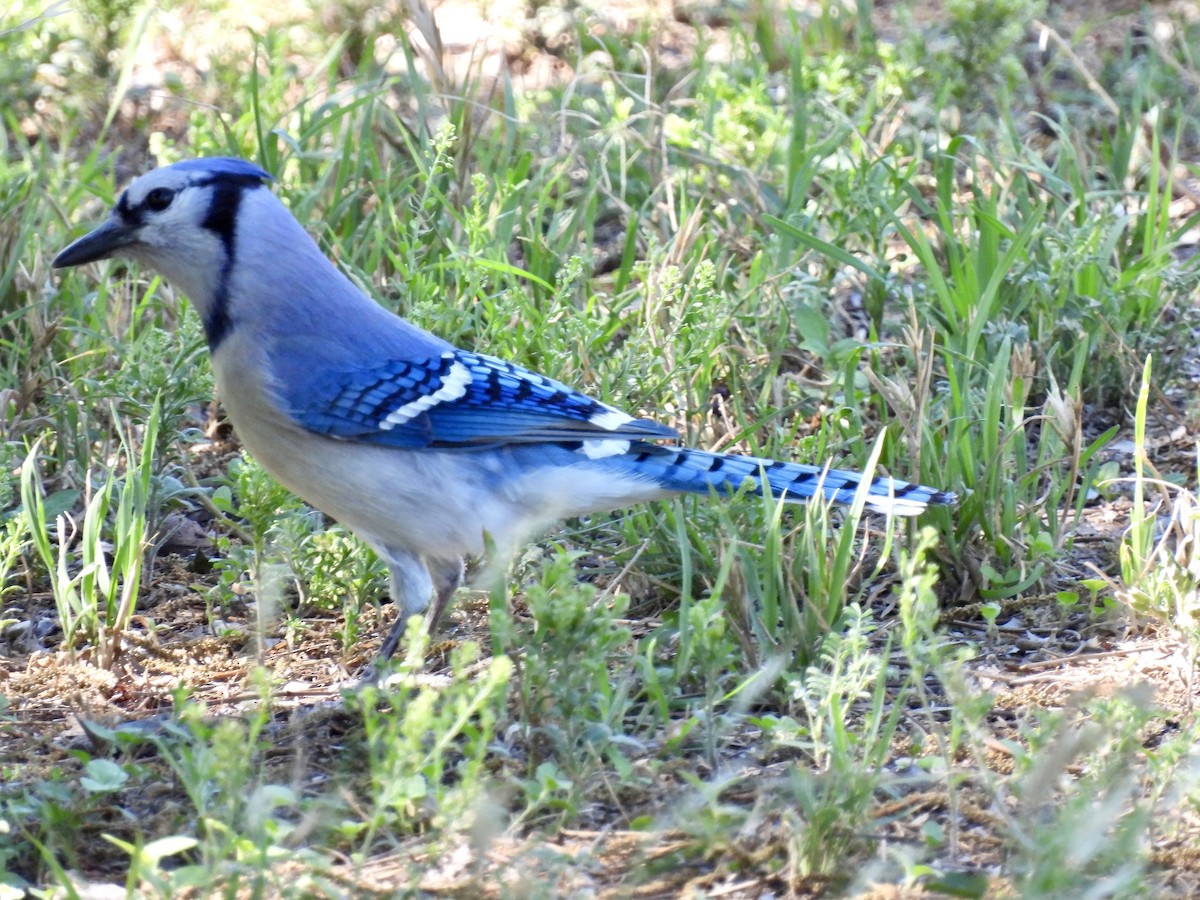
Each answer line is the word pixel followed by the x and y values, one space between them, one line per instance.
pixel 698 472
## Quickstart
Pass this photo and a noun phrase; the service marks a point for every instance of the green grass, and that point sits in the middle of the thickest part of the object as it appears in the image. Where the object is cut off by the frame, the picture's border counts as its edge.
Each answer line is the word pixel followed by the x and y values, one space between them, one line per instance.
pixel 920 247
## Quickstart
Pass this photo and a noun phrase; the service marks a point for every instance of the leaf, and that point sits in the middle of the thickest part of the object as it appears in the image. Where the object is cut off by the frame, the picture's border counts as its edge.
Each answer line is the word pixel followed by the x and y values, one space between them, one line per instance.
pixel 103 776
pixel 167 846
pixel 60 502
pixel 835 253
pixel 960 884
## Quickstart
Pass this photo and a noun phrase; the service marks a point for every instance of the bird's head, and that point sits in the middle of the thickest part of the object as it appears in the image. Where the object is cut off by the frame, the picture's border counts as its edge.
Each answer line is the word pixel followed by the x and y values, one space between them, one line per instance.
pixel 187 205
pixel 181 220
pixel 216 232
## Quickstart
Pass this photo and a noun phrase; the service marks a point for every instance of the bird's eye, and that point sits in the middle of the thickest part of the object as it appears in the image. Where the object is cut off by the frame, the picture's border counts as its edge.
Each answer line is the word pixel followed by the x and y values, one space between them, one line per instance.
pixel 159 199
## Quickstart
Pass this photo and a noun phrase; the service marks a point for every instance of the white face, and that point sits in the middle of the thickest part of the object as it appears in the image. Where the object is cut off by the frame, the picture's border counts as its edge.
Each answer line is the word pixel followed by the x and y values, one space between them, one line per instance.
pixel 178 220
pixel 164 221
pixel 176 207
pixel 166 208
pixel 163 212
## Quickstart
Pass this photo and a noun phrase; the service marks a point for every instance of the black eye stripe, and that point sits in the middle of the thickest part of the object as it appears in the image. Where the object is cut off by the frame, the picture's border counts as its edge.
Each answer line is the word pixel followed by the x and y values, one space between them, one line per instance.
pixel 130 214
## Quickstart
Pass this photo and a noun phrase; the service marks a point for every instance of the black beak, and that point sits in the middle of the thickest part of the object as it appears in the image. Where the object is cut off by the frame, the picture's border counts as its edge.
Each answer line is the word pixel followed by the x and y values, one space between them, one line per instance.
pixel 101 243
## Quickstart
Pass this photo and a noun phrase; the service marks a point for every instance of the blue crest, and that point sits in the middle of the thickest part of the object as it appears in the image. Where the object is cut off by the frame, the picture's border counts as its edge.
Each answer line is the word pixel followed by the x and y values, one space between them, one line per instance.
pixel 223 165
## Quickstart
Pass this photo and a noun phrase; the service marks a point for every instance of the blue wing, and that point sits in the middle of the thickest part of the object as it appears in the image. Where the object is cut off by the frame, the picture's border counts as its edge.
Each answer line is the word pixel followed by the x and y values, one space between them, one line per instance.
pixel 458 399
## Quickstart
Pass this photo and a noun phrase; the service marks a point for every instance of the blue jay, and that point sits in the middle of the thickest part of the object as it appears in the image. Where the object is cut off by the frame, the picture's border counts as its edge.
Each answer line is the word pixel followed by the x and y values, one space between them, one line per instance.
pixel 423 450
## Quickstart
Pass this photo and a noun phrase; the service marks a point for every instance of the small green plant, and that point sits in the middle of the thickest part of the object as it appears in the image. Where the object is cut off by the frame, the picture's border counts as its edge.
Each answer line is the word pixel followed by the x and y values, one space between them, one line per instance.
pixel 1160 562
pixel 283 544
pixel 332 571
pixel 267 524
pixel 236 820
pixel 146 868
pixel 842 723
pixel 424 746
pixel 14 539
pixel 95 598
pixel 572 711
pixel 973 49
pixel 1086 831
pixel 43 821
pixel 1002 448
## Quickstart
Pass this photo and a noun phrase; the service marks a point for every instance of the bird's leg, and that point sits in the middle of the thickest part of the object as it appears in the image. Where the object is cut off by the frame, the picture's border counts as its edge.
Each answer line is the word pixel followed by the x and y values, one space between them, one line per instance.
pixel 388 647
pixel 411 588
pixel 447 577
pixel 412 584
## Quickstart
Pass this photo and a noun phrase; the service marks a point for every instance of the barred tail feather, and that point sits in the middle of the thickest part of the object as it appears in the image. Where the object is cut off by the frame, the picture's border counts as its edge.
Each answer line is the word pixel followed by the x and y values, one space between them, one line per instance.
pixel 697 471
